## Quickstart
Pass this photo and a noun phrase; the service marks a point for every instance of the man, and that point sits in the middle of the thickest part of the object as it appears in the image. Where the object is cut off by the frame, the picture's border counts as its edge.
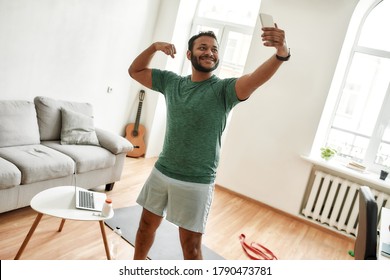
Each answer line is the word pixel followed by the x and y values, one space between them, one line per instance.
pixel 181 184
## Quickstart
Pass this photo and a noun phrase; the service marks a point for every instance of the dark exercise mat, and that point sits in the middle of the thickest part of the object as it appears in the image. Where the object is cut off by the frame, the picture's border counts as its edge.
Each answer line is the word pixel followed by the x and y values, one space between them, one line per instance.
pixel 166 245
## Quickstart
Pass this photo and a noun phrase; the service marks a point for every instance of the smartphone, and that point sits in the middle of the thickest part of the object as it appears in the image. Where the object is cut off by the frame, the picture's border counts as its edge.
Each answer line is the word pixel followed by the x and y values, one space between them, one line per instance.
pixel 266 20
pixel 386 249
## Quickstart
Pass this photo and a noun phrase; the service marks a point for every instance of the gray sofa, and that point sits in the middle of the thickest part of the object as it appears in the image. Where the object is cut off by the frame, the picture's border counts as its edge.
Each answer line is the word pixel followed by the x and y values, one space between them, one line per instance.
pixel 49 143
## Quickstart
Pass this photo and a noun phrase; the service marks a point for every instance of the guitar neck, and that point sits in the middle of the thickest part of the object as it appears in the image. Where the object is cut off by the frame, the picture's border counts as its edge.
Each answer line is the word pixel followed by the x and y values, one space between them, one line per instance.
pixel 137 119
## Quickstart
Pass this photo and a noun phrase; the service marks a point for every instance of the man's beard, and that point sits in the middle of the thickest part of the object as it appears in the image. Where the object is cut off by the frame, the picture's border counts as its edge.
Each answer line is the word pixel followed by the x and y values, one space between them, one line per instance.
pixel 197 66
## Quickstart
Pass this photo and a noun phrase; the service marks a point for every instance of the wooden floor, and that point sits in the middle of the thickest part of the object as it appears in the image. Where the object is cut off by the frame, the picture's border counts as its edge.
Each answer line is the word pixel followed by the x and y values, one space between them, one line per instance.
pixel 288 237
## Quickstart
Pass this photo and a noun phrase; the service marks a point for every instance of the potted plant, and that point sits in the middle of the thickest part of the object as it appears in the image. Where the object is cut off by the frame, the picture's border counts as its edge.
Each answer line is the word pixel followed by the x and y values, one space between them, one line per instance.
pixel 327 153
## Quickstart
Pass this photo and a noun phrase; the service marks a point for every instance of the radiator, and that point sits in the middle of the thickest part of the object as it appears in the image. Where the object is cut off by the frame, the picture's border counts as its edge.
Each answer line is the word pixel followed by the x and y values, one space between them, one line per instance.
pixel 334 202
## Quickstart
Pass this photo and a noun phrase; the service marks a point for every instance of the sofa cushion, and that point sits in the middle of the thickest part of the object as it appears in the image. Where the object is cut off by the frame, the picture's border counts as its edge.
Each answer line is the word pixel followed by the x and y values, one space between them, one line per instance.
pixel 38 162
pixel 77 128
pixel 9 174
pixel 18 123
pixel 87 157
pixel 49 115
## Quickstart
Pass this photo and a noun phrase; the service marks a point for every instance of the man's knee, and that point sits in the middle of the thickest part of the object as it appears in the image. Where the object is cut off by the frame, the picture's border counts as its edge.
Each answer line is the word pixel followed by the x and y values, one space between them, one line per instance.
pixel 192 252
pixel 149 222
pixel 191 243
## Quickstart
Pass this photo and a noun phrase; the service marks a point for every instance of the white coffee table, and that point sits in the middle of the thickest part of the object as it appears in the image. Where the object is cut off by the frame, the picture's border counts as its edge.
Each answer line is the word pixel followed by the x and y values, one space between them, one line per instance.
pixel 60 202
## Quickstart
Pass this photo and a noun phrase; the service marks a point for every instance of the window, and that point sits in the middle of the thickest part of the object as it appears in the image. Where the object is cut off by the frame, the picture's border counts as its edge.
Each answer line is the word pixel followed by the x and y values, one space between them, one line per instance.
pixel 360 125
pixel 232 22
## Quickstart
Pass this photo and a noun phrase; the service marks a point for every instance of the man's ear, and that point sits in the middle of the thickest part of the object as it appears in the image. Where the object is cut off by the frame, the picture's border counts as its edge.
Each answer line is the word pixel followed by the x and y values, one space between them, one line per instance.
pixel 188 54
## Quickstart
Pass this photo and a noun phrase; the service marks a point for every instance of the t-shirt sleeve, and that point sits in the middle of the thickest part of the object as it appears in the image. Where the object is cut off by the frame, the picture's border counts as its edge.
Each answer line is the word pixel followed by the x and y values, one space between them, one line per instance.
pixel 160 78
pixel 230 96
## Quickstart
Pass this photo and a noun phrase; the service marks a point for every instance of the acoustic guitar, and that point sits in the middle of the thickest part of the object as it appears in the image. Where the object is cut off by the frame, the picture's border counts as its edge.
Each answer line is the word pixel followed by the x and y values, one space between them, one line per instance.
pixel 135 132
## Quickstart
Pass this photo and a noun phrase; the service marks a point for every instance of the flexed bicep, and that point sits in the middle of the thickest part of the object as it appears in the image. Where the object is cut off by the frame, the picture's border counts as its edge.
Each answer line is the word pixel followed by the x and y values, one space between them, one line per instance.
pixel 139 69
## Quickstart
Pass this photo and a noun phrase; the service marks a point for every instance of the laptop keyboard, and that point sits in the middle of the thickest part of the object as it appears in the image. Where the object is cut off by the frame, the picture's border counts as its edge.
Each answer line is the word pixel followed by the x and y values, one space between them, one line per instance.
pixel 86 199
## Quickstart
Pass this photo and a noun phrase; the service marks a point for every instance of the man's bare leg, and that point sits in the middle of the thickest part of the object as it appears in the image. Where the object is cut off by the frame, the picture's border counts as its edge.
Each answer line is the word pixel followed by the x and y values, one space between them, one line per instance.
pixel 191 244
pixel 146 232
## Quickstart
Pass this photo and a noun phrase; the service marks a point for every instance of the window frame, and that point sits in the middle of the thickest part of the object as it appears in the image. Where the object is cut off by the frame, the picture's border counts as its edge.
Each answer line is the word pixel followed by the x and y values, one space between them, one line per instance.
pixel 376 136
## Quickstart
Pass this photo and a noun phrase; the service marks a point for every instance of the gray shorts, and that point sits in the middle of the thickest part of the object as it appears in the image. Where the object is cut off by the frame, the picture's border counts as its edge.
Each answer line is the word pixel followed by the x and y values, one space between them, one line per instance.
pixel 184 204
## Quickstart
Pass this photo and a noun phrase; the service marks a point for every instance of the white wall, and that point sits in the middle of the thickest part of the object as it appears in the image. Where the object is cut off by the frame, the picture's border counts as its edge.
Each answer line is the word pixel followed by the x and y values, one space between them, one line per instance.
pixel 269 132
pixel 74 50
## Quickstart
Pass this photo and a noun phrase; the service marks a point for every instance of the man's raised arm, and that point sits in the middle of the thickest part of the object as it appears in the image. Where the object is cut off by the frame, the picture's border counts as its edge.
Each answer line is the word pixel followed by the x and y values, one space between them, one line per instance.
pixel 272 37
pixel 139 70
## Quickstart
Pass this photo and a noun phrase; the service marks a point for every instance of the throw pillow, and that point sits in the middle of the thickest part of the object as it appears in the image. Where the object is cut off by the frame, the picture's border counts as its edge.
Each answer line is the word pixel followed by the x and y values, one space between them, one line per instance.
pixel 77 128
pixel 48 112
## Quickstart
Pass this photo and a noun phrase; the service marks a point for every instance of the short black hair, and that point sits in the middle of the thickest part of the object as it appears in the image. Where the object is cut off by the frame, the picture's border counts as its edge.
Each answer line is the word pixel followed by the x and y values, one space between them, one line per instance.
pixel 200 34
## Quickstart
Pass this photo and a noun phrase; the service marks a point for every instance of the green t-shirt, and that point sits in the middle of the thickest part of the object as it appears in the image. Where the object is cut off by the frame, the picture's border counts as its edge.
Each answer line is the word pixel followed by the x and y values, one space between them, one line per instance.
pixel 196 117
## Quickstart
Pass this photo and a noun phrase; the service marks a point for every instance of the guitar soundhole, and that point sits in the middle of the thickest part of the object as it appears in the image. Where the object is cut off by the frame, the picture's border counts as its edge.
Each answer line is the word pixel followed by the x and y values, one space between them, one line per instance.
pixel 134 133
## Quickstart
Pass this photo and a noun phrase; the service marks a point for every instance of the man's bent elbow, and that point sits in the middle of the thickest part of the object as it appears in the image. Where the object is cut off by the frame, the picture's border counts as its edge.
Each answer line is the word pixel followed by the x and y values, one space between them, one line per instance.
pixel 131 71
pixel 144 77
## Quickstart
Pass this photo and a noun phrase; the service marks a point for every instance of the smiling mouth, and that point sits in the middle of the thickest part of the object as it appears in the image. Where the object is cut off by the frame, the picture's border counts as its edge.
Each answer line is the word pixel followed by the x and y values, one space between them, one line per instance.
pixel 207 59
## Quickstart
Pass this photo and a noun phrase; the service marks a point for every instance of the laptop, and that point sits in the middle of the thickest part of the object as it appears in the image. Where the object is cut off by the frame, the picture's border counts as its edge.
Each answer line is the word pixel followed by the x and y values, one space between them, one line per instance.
pixel 89 200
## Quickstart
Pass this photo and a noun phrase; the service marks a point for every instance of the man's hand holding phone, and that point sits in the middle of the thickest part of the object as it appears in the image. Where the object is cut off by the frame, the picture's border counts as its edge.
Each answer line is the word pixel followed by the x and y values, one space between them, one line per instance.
pixel 274 37
pixel 266 20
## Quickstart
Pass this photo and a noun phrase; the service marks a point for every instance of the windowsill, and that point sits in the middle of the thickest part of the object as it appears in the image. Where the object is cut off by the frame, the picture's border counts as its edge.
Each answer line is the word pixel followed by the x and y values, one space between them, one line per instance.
pixel 340 167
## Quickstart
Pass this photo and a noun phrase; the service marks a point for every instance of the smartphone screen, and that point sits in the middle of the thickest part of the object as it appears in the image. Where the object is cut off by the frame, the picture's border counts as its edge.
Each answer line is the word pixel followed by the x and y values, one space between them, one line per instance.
pixel 266 20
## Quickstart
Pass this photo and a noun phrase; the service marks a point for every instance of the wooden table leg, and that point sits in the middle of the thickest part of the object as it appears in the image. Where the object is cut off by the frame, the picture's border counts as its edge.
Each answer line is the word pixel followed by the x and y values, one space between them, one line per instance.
pixel 105 240
pixel 61 225
pixel 29 234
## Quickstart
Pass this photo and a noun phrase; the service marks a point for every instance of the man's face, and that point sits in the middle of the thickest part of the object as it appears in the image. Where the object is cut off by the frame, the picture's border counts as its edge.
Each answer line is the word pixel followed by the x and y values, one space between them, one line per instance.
pixel 204 54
